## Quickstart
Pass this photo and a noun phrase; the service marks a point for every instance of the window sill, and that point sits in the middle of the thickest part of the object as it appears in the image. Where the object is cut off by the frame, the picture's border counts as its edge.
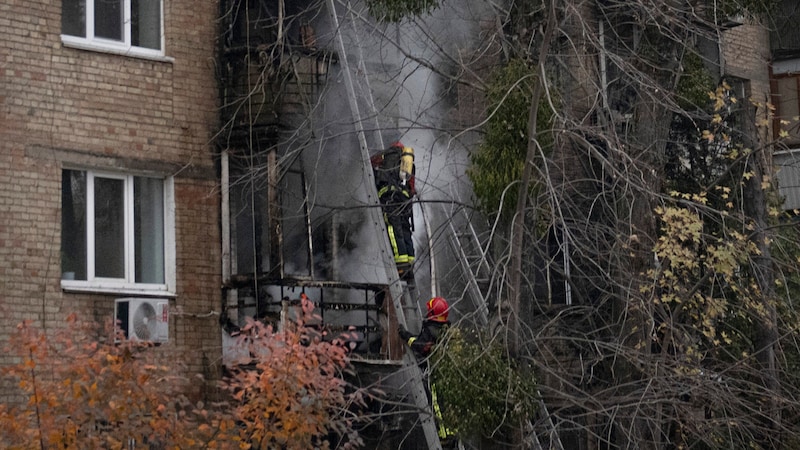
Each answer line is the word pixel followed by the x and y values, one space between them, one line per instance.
pixel 113 49
pixel 78 287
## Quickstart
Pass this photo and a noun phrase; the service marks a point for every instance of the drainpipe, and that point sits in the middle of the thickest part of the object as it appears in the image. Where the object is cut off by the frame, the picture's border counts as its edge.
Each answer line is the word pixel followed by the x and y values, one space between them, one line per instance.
pixel 225 212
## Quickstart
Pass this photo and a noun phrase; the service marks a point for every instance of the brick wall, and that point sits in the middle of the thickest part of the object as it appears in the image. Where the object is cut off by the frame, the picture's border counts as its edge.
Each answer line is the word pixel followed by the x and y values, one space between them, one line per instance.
pixel 746 54
pixel 62 105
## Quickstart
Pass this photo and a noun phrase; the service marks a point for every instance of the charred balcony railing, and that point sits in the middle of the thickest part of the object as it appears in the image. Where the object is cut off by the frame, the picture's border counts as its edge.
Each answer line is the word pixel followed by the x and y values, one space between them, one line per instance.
pixel 361 314
pixel 262 91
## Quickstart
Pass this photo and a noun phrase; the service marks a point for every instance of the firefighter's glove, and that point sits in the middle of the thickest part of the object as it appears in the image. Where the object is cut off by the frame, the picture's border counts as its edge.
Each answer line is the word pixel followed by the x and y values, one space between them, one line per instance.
pixel 404 334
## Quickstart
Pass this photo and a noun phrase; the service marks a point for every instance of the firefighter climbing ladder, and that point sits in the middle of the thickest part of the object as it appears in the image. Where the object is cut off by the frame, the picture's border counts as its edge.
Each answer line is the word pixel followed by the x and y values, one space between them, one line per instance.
pixel 399 291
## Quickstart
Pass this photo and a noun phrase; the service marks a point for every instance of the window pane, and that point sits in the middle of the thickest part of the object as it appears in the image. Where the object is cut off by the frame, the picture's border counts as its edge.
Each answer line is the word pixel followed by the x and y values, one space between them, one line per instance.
pixel 295 233
pixel 73 225
pixel 788 98
pixel 146 23
pixel 789 104
pixel 250 220
pixel 789 178
pixel 108 19
pixel 148 216
pixel 109 223
pixel 244 226
pixel 73 17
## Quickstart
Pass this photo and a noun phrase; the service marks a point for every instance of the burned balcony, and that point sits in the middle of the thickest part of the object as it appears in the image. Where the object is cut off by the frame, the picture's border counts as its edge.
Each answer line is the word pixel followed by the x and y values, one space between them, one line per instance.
pixel 271 69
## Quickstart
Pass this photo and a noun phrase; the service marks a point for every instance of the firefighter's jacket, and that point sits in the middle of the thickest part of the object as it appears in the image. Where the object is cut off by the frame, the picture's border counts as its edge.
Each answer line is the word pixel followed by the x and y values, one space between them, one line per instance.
pixel 422 344
pixel 395 198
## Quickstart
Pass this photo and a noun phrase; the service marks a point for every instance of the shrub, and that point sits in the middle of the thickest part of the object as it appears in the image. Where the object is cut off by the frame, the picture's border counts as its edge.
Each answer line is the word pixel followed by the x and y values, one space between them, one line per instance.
pixel 292 395
pixel 479 389
pixel 86 389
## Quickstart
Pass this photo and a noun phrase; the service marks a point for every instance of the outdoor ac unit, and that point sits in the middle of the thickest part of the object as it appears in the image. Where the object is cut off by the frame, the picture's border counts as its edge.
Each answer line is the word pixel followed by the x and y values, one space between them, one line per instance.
pixel 143 319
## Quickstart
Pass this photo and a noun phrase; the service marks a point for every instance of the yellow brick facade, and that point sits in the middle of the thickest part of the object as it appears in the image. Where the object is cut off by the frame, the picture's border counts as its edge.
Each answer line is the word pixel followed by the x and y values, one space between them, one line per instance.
pixel 62 106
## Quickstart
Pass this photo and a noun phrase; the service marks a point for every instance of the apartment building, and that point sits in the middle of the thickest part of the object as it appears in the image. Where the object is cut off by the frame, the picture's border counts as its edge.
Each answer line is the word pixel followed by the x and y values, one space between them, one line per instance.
pixel 110 187
pixel 107 178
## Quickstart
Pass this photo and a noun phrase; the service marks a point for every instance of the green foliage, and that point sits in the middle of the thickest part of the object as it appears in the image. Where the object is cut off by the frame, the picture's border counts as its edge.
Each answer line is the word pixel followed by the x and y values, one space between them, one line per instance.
pixel 479 390
pixel 498 162
pixel 397 10
pixel 85 391
pixel 695 83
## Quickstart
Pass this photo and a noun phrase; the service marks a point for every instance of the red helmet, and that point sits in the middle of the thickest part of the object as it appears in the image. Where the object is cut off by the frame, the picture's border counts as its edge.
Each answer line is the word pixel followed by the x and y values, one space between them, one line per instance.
pixel 438 309
pixel 397 144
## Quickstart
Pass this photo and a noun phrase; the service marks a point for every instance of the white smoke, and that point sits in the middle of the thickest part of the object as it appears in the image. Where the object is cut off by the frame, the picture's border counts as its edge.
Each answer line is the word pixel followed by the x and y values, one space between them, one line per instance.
pixel 400 96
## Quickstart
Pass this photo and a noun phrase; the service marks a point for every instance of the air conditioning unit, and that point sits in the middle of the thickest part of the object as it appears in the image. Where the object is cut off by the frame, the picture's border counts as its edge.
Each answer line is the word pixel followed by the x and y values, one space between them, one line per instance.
pixel 143 319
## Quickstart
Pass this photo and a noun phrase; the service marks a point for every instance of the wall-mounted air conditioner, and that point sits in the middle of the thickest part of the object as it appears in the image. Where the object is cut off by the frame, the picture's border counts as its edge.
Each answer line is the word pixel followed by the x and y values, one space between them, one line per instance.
pixel 143 319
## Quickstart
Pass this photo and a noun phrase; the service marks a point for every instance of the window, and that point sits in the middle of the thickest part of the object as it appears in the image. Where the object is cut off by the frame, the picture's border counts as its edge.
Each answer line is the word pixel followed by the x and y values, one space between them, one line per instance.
pixel 785 96
pixel 116 232
pixel 557 267
pixel 129 26
pixel 788 164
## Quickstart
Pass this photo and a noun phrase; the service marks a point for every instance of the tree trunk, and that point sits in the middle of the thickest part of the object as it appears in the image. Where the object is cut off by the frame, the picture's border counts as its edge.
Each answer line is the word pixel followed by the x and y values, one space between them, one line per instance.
pixel 755 209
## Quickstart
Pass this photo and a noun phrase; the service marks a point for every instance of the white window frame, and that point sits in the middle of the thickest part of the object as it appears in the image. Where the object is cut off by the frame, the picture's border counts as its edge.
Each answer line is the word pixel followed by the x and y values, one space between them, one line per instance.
pixel 127 285
pixel 124 47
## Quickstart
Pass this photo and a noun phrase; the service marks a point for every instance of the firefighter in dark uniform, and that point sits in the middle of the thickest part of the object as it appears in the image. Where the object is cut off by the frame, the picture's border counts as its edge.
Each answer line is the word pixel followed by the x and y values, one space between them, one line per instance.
pixel 433 327
pixel 395 183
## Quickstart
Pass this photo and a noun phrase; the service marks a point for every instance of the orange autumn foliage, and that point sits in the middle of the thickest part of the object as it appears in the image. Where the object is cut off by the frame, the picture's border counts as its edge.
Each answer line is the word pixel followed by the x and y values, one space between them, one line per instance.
pixel 88 390
pixel 292 394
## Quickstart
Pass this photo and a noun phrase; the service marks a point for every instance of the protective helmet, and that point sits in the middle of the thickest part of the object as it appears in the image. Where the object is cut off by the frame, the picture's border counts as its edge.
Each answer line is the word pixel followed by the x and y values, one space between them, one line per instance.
pixel 438 309
pixel 397 144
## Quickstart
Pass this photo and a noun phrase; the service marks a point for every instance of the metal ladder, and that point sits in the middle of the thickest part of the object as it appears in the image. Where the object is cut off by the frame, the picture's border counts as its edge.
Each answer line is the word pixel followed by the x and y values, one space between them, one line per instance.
pixel 399 292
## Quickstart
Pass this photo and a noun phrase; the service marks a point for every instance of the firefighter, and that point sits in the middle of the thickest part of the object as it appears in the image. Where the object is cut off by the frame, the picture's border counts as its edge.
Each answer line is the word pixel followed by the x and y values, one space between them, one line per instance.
pixel 433 327
pixel 395 183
